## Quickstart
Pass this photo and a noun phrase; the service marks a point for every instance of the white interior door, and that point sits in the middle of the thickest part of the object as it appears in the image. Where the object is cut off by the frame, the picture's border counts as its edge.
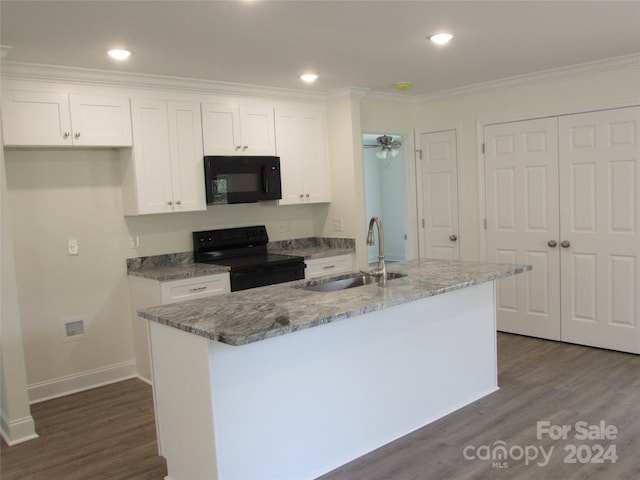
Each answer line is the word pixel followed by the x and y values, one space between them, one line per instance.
pixel 600 218
pixel 521 184
pixel 439 233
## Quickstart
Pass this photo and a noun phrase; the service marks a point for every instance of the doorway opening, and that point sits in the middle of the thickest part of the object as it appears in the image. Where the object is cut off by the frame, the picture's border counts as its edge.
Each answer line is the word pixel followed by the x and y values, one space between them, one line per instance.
pixel 384 157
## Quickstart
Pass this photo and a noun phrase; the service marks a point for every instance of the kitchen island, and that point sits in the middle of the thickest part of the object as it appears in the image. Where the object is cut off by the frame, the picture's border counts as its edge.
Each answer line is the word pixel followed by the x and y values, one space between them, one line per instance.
pixel 281 382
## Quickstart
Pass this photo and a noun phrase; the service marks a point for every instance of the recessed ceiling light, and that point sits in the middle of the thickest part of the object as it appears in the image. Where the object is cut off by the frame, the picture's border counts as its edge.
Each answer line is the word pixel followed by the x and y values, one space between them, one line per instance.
pixel 119 54
pixel 441 38
pixel 309 77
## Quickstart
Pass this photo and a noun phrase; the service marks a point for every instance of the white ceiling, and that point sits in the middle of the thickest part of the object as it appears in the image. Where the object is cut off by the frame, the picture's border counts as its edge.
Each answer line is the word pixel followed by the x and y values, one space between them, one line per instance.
pixel 370 44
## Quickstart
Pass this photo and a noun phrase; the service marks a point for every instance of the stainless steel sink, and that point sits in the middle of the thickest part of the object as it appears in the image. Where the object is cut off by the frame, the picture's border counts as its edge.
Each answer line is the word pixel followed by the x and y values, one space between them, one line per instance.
pixel 342 283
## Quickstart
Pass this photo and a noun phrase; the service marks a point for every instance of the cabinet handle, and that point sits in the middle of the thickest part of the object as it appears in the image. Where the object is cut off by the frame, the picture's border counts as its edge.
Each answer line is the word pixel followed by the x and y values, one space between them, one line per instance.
pixel 65 135
pixel 453 238
pixel 565 244
pixel 328 267
pixel 169 203
pixel 301 195
pixel 552 243
pixel 306 195
pixel 178 202
pixel 197 289
pixel 77 135
pixel 238 147
pixel 245 147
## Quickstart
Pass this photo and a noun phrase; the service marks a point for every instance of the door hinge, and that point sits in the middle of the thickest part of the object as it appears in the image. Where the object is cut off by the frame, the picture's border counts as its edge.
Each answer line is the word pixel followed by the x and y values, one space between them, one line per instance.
pixel 483 148
pixel 420 153
pixel 422 223
pixel 484 223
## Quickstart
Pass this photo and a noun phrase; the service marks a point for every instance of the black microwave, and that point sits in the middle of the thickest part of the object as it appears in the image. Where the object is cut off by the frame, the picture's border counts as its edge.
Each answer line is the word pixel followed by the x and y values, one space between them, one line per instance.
pixel 238 179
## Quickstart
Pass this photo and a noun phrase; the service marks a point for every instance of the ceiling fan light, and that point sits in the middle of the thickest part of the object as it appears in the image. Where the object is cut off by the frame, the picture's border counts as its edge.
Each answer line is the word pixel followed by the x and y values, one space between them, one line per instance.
pixel 382 154
pixel 394 152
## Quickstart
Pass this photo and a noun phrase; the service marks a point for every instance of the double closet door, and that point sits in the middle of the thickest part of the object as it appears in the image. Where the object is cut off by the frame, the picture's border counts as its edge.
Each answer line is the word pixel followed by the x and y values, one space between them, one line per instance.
pixel 563 194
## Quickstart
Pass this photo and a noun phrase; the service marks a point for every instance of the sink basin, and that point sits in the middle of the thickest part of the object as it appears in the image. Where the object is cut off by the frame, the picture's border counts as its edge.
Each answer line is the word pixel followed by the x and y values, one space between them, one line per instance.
pixel 342 283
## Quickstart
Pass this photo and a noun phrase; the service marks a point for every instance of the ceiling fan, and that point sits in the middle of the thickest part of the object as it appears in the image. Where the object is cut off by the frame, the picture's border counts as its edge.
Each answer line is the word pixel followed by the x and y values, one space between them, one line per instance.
pixel 386 144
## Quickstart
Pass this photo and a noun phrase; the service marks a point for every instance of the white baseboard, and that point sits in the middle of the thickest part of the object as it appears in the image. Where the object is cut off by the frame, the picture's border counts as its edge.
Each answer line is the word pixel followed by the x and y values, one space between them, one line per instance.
pixel 17 431
pixel 58 387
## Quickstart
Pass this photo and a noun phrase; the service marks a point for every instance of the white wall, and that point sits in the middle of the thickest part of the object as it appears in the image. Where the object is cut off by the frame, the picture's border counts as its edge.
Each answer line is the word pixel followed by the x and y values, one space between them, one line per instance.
pixel 58 194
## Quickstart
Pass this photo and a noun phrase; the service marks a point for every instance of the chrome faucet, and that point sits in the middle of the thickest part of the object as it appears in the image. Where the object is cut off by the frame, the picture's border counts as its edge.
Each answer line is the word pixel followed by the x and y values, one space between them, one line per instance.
pixel 381 269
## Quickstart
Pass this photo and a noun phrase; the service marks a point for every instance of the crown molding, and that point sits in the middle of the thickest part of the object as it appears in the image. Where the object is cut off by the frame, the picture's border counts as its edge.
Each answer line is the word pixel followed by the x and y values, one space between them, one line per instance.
pixel 351 93
pixel 391 97
pixel 545 76
pixel 85 76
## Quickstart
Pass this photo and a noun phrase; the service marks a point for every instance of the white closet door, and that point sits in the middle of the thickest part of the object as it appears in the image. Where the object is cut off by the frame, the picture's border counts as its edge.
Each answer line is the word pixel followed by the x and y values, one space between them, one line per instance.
pixel 521 178
pixel 439 166
pixel 600 218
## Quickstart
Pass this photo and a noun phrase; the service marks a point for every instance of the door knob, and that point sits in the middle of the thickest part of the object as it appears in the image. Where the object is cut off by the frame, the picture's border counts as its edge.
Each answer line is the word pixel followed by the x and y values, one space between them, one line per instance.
pixel 565 244
pixel 453 238
pixel 552 243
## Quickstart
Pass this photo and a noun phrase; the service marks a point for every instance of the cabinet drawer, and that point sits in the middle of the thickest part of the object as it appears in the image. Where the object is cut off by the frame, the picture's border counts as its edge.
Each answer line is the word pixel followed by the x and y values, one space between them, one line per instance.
pixel 328 266
pixel 192 288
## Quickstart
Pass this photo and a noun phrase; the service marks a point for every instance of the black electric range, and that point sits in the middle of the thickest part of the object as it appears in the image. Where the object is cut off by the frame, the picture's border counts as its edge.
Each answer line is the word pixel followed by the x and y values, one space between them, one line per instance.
pixel 244 250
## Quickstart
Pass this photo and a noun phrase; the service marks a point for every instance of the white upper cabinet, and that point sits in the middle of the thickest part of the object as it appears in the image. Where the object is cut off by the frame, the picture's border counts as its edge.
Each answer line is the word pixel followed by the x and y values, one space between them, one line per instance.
pixel 238 129
pixel 165 171
pixel 59 119
pixel 301 142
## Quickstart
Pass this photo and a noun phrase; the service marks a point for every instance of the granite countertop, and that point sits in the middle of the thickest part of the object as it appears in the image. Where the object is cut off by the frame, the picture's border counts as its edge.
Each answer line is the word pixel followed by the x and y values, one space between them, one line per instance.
pixel 165 273
pixel 313 252
pixel 176 266
pixel 247 316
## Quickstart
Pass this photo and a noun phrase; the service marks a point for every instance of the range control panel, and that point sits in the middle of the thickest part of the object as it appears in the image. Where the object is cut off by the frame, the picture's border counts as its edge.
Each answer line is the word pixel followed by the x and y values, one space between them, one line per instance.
pixel 229 239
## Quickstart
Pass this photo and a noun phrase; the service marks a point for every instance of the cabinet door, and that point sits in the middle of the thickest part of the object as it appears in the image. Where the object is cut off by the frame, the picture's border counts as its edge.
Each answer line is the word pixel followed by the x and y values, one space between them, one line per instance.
pixel 302 148
pixel 150 179
pixel 36 119
pixel 221 129
pixel 187 169
pixel 315 162
pixel 521 176
pixel 289 151
pixel 257 131
pixel 100 121
pixel 600 221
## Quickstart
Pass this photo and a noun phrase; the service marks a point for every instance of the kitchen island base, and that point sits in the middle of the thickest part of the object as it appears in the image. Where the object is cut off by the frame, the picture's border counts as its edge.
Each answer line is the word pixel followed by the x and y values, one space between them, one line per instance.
pixel 300 405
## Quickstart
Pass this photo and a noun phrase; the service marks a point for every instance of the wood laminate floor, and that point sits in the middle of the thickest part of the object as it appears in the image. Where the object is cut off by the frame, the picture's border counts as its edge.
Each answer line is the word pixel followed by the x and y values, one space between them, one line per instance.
pixel 109 432
pixel 103 433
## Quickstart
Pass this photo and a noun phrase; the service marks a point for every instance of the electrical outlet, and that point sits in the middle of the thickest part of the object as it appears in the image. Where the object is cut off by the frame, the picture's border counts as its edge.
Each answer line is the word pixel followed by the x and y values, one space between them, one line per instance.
pixel 338 225
pixel 72 246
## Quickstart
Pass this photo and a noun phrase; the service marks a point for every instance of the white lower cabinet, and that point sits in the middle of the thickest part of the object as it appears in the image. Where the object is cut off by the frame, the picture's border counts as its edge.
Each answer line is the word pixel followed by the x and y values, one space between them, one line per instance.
pixel 164 172
pixel 147 292
pixel 43 119
pixel 319 267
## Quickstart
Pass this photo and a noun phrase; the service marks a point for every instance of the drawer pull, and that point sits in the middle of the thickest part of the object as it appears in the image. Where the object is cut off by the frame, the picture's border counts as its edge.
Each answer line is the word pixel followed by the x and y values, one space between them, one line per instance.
pixel 329 267
pixel 197 289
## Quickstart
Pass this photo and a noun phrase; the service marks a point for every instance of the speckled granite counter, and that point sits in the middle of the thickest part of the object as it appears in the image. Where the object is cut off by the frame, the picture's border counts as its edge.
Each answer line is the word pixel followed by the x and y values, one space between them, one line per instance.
pixel 175 266
pixel 248 316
